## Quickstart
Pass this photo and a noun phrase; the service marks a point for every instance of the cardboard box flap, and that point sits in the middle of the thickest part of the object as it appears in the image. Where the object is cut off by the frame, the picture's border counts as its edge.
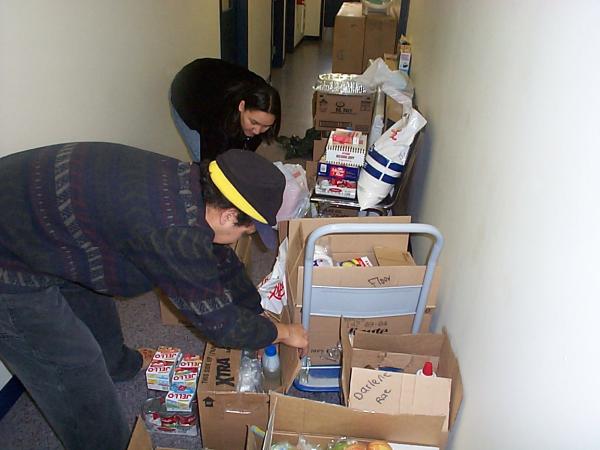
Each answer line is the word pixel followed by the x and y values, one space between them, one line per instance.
pixel 220 369
pixel 140 438
pixel 297 415
pixel 253 442
pixel 415 344
pixel 289 358
pixel 388 256
pixel 346 359
pixel 399 393
pixel 363 277
pixel 319 148
pixel 449 368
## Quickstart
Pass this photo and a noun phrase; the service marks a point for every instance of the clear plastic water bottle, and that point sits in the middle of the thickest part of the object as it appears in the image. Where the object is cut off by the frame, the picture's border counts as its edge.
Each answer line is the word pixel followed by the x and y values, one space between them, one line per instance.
pixel 271 368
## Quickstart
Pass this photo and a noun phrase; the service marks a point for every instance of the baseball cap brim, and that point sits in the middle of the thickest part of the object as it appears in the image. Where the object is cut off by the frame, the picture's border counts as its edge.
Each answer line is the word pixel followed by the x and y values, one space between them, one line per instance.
pixel 267 234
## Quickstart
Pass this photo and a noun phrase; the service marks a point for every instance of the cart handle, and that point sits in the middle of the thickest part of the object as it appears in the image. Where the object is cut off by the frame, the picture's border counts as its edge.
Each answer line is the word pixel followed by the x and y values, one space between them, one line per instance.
pixel 367 228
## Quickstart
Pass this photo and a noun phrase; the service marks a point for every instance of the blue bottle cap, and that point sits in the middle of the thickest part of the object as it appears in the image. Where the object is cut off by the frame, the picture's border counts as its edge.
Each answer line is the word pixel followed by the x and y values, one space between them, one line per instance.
pixel 271 350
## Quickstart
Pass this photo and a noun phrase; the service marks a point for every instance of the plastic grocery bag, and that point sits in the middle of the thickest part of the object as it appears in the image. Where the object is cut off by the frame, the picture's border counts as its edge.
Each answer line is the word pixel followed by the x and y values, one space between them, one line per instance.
pixel 273 295
pixel 296 197
pixel 394 83
pixel 385 161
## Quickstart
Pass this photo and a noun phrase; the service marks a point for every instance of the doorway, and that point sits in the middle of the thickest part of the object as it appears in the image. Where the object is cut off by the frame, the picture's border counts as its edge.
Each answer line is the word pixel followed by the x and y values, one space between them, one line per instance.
pixel 234 31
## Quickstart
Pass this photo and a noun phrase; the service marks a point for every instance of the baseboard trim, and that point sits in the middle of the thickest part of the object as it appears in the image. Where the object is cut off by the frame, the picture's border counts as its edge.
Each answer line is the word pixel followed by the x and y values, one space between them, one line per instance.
pixel 9 394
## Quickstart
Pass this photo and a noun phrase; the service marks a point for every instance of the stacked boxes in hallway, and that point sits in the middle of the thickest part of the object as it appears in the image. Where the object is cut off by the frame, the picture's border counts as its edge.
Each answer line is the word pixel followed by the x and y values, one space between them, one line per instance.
pixel 358 38
pixel 348 39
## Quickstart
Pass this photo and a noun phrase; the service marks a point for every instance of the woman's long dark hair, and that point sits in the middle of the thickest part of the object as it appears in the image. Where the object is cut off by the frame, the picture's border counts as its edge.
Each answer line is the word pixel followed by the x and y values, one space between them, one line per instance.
pixel 212 196
pixel 257 95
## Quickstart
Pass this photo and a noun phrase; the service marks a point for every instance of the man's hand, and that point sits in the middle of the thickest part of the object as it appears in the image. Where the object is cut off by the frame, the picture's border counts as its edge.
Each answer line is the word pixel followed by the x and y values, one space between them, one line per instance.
pixel 293 335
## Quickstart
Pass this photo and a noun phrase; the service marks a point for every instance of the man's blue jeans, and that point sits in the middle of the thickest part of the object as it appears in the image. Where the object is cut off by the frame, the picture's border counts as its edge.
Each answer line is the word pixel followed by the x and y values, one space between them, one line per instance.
pixel 64 344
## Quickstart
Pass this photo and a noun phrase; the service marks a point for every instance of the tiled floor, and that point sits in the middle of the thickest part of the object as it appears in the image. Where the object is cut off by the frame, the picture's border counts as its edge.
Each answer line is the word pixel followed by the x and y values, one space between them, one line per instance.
pixel 24 427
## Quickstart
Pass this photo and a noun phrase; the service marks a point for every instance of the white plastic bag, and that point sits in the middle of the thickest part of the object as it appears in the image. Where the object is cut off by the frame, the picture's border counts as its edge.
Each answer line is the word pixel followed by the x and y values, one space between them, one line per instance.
pixel 385 161
pixel 296 197
pixel 273 295
pixel 394 83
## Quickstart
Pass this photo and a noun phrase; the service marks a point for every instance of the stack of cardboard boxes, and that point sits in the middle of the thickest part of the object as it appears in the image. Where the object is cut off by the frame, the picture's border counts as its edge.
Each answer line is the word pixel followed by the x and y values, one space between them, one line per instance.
pixel 358 38
pixel 339 168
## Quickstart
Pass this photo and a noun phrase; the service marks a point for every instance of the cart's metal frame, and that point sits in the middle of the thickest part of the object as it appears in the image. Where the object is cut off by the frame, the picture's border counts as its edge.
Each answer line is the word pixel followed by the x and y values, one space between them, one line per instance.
pixel 346 301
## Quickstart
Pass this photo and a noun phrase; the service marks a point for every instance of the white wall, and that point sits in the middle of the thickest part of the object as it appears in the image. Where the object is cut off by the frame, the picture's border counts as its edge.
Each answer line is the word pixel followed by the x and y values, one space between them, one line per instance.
pixel 511 93
pixel 312 17
pixel 88 70
pixel 259 37
pixel 97 70
pixel 299 18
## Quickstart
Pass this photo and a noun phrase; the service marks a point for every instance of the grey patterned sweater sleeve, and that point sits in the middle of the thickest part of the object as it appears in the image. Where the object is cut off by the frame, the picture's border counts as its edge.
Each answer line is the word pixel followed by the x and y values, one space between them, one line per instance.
pixel 206 282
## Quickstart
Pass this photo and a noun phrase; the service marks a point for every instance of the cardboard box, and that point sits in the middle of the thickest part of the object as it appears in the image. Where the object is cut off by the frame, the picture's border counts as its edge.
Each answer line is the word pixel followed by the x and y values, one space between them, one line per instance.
pixel 407 352
pixel 321 422
pixel 170 315
pixel 380 37
pixel 348 39
pixel 345 247
pixel 324 331
pixel 226 413
pixel 353 112
pixel 399 393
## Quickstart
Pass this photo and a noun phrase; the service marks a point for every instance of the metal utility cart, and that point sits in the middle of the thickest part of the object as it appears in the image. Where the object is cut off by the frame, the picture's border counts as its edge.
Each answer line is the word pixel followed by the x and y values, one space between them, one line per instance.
pixel 334 301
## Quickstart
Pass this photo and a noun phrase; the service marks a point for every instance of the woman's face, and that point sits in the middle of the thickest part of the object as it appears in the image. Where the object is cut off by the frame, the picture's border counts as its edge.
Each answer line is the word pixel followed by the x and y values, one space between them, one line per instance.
pixel 254 121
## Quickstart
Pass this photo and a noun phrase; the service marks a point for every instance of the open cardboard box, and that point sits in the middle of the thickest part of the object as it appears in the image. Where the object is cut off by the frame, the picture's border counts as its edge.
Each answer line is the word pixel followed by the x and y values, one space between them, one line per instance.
pixel 407 352
pixel 225 413
pixel 396 268
pixel 170 315
pixel 321 422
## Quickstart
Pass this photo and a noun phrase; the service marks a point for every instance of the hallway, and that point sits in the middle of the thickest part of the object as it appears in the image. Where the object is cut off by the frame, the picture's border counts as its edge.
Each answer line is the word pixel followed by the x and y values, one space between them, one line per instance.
pixel 295 80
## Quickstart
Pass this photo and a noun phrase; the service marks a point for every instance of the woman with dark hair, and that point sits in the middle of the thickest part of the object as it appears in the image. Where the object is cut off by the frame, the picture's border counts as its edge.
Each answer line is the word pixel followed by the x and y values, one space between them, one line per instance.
pixel 217 105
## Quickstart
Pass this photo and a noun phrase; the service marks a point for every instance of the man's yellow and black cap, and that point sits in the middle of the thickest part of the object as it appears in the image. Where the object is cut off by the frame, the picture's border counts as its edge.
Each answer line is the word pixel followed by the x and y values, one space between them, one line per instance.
pixel 253 185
